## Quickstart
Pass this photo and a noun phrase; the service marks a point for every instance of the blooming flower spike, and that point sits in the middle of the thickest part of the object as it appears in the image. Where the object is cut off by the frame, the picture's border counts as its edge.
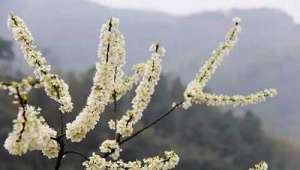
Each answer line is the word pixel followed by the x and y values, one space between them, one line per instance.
pixel 112 147
pixel 169 161
pixel 55 87
pixel 30 131
pixel 108 74
pixel 144 92
pixel 194 91
pixel 222 100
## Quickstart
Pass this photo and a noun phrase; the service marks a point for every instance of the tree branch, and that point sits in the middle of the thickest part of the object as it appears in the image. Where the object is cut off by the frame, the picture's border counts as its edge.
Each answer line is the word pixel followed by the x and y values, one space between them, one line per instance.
pixel 154 122
pixel 59 137
pixel 117 136
pixel 23 103
pixel 76 153
pixel 61 143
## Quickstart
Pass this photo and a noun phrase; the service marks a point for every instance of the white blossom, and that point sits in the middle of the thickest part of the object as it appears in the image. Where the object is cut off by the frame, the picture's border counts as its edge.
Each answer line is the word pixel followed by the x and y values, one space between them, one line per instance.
pixel 260 166
pixel 157 163
pixel 112 124
pixel 221 100
pixel 133 165
pixel 144 91
pixel 30 132
pixel 194 91
pixel 169 161
pixel 108 74
pixel 23 87
pixel 95 162
pixel 55 87
pixel 112 147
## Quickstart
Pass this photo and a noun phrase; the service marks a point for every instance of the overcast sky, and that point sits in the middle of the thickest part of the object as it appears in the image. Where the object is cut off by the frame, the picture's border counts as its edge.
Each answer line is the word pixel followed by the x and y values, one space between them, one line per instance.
pixel 184 7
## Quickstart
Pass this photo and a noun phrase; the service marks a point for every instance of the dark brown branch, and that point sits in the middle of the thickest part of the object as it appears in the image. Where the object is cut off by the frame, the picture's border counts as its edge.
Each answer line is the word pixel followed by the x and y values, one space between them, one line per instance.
pixel 60 153
pixel 59 138
pixel 110 24
pixel 107 56
pixel 117 136
pixel 156 47
pixel 60 116
pixel 154 122
pixel 61 119
pixel 108 153
pixel 153 63
pixel 23 103
pixel 114 95
pixel 76 153
pixel 108 45
pixel 61 135
pixel 13 19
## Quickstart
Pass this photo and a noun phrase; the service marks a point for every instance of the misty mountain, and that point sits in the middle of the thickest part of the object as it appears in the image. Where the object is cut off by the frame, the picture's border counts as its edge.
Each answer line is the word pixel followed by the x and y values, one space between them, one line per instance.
pixel 267 54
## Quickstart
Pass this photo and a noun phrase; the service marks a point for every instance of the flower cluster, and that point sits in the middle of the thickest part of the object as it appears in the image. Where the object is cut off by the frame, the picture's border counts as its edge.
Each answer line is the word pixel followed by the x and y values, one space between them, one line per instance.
pixel 55 87
pixel 194 91
pixel 112 147
pixel 95 162
pixel 169 161
pixel 30 132
pixel 221 100
pixel 144 91
pixel 20 89
pixel 121 82
pixel 260 166
pixel 108 76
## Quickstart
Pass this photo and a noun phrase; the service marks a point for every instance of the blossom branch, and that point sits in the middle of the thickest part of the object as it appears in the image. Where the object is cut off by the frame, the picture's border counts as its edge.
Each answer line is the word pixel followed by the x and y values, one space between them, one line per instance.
pixel 42 69
pixel 154 122
pixel 112 54
pixel 109 84
pixel 20 92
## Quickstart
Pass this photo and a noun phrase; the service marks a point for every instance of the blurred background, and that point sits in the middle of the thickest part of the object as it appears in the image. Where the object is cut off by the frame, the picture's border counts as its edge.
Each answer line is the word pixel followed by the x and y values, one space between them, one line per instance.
pixel 207 138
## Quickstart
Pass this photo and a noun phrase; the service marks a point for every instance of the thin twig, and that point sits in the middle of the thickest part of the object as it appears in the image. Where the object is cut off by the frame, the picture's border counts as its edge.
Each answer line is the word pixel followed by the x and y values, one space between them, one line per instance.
pixel 117 136
pixel 61 118
pixel 60 153
pixel 23 103
pixel 60 115
pixel 76 153
pixel 108 45
pixel 60 139
pixel 115 101
pixel 154 122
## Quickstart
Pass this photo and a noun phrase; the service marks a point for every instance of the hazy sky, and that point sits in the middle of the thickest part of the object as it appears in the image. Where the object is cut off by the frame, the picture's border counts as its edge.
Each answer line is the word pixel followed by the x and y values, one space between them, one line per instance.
pixel 184 7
